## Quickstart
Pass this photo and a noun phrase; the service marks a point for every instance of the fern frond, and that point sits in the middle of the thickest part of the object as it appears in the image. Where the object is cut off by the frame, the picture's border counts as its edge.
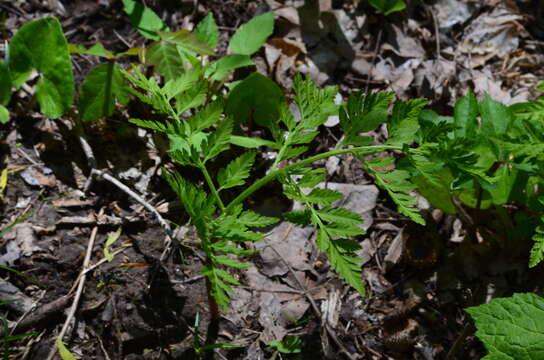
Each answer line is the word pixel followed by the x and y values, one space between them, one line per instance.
pixel 404 124
pixel 537 251
pixel 332 224
pixel 236 171
pixel 343 261
pixel 363 113
pixel 252 219
pixel 397 185
pixel 315 104
pixel 219 140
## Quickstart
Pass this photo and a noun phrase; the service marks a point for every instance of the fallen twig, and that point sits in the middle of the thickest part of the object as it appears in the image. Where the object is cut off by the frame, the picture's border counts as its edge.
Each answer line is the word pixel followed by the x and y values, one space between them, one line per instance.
pixel 79 290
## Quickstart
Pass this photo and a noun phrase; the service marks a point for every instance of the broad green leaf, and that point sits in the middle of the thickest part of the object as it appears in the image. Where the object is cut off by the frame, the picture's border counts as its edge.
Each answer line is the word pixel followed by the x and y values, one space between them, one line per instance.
pixel 496 117
pixel 251 36
pixel 252 143
pixel 4 114
pixel 388 7
pixel 236 171
pixel 41 45
pixel 219 69
pixel 103 85
pixel 112 237
pixel 257 98
pixel 207 31
pixel 144 19
pixel 64 353
pixel 505 180
pixel 166 59
pixel 465 113
pixel 188 41
pixel 5 84
pixel 511 328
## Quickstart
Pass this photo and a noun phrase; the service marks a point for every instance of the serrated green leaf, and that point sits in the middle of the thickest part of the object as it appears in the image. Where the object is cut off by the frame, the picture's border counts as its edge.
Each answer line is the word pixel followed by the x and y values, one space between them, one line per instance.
pixel 207 31
pixel 344 230
pixel 252 219
pixel 41 45
pixel 144 19
pixel 206 117
pixel 103 85
pixel 219 140
pixel 289 345
pixel 537 250
pixel 344 263
pixel 529 110
pixel 252 35
pixel 228 261
pixel 303 137
pixel 315 104
pixel 252 143
pixel 511 328
pixel 167 127
pixel 340 216
pixel 364 113
pixel 323 196
pixel 5 84
pixel 293 152
pixel 302 218
pixel 404 124
pixel 224 246
pixel 236 171
pixel 195 201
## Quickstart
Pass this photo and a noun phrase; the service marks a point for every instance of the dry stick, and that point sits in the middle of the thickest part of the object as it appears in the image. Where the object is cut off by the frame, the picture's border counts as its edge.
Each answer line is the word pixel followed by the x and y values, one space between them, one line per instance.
pixel 314 306
pixel 436 32
pixel 376 49
pixel 79 290
pixel 101 174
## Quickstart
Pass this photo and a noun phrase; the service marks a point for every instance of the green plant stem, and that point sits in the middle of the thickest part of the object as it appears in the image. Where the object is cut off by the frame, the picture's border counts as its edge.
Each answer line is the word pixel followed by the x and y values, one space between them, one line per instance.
pixel 277 172
pixel 212 187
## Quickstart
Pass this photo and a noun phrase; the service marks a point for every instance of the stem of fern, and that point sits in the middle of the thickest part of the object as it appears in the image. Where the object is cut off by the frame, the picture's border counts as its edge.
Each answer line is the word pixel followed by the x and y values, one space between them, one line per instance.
pixel 275 173
pixel 212 187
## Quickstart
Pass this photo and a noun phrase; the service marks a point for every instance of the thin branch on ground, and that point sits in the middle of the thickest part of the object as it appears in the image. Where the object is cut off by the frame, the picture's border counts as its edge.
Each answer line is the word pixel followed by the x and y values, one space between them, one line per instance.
pixel 91 160
pixel 79 290
pixel 330 331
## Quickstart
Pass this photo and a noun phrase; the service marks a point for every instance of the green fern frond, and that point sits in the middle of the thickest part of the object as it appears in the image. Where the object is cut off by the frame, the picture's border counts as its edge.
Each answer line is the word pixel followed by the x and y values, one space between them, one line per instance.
pixel 315 104
pixel 404 123
pixel 537 251
pixel 219 140
pixel 236 171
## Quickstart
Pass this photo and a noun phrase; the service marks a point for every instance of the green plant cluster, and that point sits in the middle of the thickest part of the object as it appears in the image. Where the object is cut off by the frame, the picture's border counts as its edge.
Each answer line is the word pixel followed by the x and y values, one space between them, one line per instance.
pixel 485 156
